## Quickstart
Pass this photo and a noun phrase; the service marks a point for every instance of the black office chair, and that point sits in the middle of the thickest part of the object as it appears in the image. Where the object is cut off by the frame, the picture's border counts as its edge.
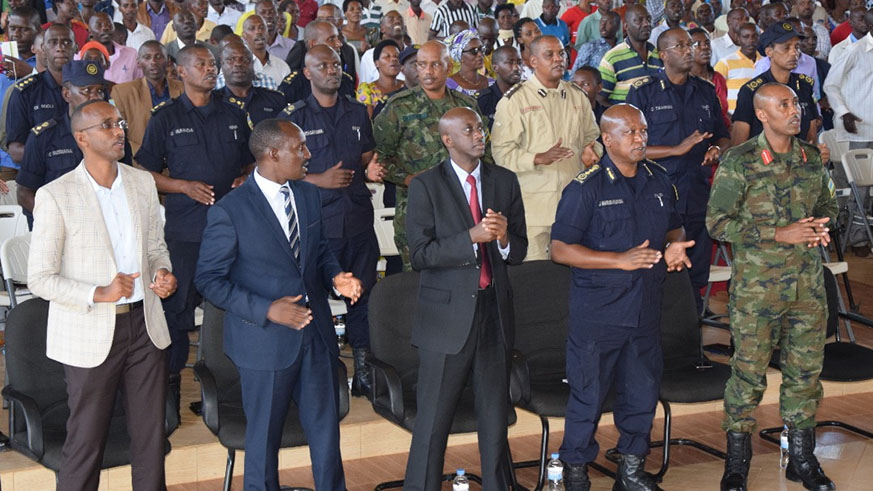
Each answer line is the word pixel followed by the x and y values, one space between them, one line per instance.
pixel 843 362
pixel 394 363
pixel 541 292
pixel 38 394
pixel 222 397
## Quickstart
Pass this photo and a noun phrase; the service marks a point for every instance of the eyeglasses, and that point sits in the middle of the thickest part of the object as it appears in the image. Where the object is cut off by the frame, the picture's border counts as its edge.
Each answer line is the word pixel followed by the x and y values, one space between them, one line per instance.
pixel 681 46
pixel 474 51
pixel 109 125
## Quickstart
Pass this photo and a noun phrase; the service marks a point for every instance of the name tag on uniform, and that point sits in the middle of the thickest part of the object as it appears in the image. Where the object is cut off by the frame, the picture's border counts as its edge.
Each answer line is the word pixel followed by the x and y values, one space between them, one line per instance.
pixel 37 107
pixel 528 109
pixel 179 131
pixel 610 202
pixel 61 151
pixel 268 109
pixel 313 132
pixel 668 107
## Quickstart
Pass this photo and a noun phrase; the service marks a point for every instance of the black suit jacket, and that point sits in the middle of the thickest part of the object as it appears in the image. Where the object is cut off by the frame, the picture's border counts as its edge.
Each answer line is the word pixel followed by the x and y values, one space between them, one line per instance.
pixel 437 225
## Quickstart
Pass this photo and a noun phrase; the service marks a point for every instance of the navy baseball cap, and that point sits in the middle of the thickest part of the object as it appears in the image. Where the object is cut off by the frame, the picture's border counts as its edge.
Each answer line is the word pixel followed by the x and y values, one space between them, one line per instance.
pixel 779 32
pixel 407 52
pixel 82 73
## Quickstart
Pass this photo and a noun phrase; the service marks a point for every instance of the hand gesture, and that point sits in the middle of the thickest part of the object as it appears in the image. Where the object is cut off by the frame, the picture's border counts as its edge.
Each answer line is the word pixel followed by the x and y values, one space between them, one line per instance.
pixel 15 67
pixel 348 286
pixel 811 231
pixel 374 171
pixel 288 312
pixel 675 255
pixel 199 192
pixel 164 284
pixel 336 177
pixel 239 181
pixel 712 156
pixel 640 257
pixel 688 143
pixel 825 153
pixel 121 287
pixel 589 156
pixel 850 123
pixel 481 233
pixel 554 154
pixel 4 188
pixel 496 223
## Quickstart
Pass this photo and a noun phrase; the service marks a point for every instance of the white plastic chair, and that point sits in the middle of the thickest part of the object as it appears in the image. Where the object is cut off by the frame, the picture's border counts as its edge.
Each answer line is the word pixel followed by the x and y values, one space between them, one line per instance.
pixel 12 222
pixel 837 148
pixel 10 198
pixel 858 165
pixel 13 260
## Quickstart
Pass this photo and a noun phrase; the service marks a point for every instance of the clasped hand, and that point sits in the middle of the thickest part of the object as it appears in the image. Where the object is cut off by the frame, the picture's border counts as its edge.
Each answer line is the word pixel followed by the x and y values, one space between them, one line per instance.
pixel 491 227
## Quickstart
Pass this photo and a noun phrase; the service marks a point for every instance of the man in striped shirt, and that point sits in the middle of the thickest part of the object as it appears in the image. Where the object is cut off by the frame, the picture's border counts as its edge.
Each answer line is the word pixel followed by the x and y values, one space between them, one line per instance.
pixel 739 66
pixel 449 12
pixel 630 60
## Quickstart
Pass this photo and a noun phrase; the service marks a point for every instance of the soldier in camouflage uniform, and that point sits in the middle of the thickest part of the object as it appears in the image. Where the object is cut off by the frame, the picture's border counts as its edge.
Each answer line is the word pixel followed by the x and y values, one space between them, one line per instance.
pixel 406 131
pixel 771 199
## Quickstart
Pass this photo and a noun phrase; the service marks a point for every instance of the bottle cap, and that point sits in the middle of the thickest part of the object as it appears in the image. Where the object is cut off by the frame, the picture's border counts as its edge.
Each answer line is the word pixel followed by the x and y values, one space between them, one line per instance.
pixel 554 456
pixel 460 472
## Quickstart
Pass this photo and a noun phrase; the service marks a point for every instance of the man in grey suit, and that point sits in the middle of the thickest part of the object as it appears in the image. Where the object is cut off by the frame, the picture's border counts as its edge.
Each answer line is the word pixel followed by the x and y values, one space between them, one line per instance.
pixel 465 223
pixel 98 256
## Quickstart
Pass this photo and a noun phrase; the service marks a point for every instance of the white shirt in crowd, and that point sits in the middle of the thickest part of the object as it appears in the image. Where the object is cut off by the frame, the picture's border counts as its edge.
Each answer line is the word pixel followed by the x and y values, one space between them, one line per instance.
pixel 721 47
pixel 138 36
pixel 229 17
pixel 848 78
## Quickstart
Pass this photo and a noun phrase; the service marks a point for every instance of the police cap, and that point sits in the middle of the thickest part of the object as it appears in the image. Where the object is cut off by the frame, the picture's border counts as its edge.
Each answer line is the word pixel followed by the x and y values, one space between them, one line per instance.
pixel 82 73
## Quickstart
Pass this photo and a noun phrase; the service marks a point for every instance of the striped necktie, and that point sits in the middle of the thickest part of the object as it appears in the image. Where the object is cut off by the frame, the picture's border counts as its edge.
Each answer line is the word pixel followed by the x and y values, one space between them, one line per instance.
pixel 293 229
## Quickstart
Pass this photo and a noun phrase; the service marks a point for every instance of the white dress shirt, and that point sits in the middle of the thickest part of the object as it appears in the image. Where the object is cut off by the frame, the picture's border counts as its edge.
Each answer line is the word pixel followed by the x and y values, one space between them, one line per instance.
pixel 847 87
pixel 116 215
pixel 462 177
pixel 277 202
pixel 138 36
pixel 721 47
pixel 841 48
pixel 229 17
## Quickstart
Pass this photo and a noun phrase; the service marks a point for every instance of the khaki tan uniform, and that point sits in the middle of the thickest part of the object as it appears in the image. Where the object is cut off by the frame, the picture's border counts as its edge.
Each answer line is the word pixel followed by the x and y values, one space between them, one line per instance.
pixel 530 119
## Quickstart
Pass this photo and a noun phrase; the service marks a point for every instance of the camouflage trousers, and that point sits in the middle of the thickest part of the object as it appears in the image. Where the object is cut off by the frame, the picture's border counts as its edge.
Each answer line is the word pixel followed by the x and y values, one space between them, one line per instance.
pixel 400 233
pixel 757 328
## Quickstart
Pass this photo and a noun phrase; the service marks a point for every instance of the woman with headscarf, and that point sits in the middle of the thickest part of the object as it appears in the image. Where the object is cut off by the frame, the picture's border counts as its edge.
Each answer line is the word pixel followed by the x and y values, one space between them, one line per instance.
pixel 467 51
pixel 387 58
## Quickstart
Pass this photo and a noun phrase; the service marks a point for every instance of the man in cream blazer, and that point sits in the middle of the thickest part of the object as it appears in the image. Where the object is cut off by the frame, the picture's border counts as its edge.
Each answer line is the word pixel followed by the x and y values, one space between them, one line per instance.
pixel 98 256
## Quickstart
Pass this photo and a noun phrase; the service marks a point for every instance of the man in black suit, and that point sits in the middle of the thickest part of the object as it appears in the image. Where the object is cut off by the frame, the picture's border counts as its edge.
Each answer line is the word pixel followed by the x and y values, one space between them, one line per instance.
pixel 464 322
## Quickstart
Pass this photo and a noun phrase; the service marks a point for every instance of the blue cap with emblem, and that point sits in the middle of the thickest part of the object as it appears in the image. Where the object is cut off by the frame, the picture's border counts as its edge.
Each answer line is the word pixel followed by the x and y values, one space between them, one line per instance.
pixel 779 32
pixel 407 52
pixel 82 73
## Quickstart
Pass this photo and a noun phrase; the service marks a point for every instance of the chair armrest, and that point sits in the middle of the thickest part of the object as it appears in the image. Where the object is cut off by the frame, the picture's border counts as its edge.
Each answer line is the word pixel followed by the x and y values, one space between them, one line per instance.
pixel 519 379
pixel 342 381
pixel 208 395
pixel 384 377
pixel 32 420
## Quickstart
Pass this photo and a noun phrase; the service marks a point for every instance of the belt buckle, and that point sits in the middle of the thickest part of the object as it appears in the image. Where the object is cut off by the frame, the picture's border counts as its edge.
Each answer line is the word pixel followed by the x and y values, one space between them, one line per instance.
pixel 122 309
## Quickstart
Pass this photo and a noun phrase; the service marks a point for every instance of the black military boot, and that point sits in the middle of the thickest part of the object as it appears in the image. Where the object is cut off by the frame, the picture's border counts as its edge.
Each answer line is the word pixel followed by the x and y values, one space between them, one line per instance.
pixel 736 466
pixel 631 475
pixel 576 477
pixel 175 383
pixel 803 467
pixel 361 386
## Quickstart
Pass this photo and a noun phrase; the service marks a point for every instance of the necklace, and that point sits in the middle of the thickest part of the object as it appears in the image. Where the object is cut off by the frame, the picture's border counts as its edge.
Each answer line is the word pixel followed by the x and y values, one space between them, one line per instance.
pixel 473 84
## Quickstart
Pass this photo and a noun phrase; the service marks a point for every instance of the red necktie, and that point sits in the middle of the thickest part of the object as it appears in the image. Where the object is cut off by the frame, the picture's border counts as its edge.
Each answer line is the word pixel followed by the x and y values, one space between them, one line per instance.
pixel 485 271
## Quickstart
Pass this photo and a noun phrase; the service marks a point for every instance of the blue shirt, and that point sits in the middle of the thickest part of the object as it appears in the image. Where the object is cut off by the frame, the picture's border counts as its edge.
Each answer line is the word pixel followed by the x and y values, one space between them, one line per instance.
pixel 487 101
pixel 295 87
pixel 5 83
pixel 604 211
pixel 261 103
pixel 673 112
pixel 341 133
pixel 207 144
pixel 157 99
pixel 34 100
pixel 590 54
pixel 557 28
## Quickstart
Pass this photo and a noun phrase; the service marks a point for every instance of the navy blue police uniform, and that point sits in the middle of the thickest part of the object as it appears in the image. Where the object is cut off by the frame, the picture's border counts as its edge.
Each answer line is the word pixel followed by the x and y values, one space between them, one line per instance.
pixel 295 87
pixel 801 84
pixel 343 133
pixel 487 101
pixel 614 330
pixel 34 100
pixel 207 144
pixel 261 103
pixel 672 113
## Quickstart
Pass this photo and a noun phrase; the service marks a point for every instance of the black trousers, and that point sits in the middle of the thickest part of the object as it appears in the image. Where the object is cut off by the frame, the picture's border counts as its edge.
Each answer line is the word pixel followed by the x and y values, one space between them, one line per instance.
pixel 139 369
pixel 441 379
pixel 179 307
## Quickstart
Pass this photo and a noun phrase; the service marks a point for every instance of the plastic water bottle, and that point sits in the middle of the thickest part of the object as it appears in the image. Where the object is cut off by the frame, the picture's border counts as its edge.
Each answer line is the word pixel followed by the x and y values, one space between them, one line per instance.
pixel 460 483
pixel 783 448
pixel 556 474
pixel 339 324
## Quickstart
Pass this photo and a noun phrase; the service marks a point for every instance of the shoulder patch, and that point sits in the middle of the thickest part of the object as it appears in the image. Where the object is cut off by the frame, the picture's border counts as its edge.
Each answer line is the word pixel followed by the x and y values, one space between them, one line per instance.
pixel 643 81
pixel 162 105
pixel 512 90
pixel 655 165
pixel 25 82
pixel 36 130
pixel 587 173
pixel 754 84
pixel 290 77
pixel 292 108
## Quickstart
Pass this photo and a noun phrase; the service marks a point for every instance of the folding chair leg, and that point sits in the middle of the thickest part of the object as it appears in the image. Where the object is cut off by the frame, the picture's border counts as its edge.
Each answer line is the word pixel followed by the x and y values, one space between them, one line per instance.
pixel 835 235
pixel 544 448
pixel 863 212
pixel 446 478
pixel 685 442
pixel 228 474
pixel 767 433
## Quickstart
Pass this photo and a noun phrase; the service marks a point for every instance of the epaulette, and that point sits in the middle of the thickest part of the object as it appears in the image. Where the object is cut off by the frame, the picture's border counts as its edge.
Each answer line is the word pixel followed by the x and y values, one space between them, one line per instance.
pixel 754 84
pixel 643 81
pixel 656 165
pixel 747 147
pixel 577 88
pixel 512 90
pixel 292 108
pixel 25 82
pixel 233 101
pixel 162 105
pixel 290 77
pixel 701 79
pixel 36 130
pixel 275 91
pixel 587 173
pixel 348 76
pixel 809 150
pixel 806 78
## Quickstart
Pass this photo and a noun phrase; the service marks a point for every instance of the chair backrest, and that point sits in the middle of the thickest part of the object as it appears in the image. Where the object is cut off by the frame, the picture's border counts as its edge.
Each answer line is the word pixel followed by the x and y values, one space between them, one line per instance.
pixel 392 306
pixel 12 222
pixel 858 165
pixel 212 352
pixel 10 198
pixel 541 298
pixel 28 369
pixel 377 191
pixel 680 326
pixel 383 223
pixel 13 258
pixel 837 148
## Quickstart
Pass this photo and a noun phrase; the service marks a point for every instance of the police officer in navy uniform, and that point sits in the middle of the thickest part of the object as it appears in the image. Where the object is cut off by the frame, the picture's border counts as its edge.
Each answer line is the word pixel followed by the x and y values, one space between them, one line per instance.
pixel 237 65
pixel 38 98
pixel 51 151
pixel 295 87
pixel 781 43
pixel 340 138
pixel 686 134
pixel 203 141
pixel 618 228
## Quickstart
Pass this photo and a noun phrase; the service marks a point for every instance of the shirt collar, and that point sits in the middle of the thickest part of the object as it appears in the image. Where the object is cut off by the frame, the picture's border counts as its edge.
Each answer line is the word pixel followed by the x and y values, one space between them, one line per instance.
pixel 97 188
pixel 268 187
pixel 150 10
pixel 553 23
pixel 462 174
